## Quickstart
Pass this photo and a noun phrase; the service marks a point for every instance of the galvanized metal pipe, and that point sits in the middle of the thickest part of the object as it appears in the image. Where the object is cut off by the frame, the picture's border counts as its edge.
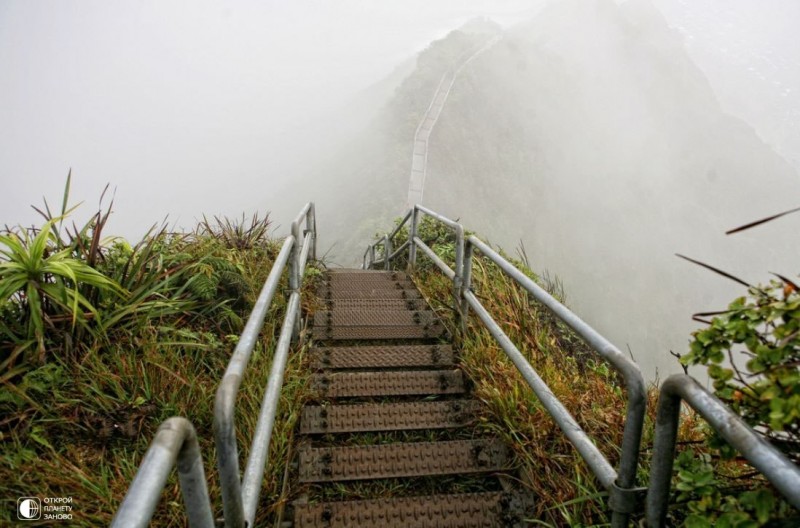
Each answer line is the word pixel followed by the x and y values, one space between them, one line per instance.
pixel 435 258
pixel 443 219
pixel 400 225
pixel 466 280
pixel 387 252
pixel 399 250
pixel 594 458
pixel 175 441
pixel 459 272
pixel 311 227
pixel 632 376
pixel 412 236
pixel 259 450
pixel 225 401
pixel 779 470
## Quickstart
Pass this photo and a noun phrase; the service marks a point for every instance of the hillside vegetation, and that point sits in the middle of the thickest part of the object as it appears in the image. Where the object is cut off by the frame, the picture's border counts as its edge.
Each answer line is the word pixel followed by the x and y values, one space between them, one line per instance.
pixel 101 340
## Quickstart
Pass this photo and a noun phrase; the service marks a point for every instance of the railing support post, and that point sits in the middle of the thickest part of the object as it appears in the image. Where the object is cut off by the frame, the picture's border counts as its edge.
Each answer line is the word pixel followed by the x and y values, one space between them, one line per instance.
pixel 412 233
pixel 387 251
pixel 311 227
pixel 466 281
pixel 459 271
pixel 294 273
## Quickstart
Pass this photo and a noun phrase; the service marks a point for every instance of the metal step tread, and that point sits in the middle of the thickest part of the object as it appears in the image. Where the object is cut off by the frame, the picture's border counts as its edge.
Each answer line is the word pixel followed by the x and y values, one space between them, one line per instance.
pixel 426 331
pixel 375 304
pixel 358 271
pixel 464 510
pixel 366 417
pixel 335 293
pixel 327 464
pixel 381 356
pixel 386 276
pixel 374 317
pixel 364 285
pixel 404 383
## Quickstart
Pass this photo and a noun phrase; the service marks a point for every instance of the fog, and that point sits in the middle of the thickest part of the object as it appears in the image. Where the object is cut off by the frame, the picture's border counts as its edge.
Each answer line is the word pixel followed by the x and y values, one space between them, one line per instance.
pixel 603 136
pixel 189 107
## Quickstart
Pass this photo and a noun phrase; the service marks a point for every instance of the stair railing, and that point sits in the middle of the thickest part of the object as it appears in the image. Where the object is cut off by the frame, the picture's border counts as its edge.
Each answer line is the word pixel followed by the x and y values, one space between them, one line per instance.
pixel 772 463
pixel 240 495
pixel 175 443
pixel 620 484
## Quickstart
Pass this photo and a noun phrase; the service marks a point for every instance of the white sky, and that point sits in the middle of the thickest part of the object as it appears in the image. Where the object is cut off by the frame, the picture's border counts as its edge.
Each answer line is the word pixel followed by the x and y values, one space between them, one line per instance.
pixel 179 105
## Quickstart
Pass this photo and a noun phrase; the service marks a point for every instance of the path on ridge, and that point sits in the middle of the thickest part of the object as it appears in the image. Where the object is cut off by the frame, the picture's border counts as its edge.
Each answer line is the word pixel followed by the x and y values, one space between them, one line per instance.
pixel 419 156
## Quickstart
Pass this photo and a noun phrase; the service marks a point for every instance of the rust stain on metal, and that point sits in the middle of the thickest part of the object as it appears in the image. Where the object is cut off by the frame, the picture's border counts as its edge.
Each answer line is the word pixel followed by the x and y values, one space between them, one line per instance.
pixel 387 416
pixel 404 383
pixel 381 356
pixel 416 459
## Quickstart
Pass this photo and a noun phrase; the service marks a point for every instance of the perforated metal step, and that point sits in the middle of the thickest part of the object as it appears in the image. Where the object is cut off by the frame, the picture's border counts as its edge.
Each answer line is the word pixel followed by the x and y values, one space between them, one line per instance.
pixel 338 278
pixel 381 356
pixel 367 285
pixel 467 510
pixel 374 318
pixel 326 464
pixel 325 292
pixel 387 416
pixel 375 304
pixel 355 384
pixel 351 271
pixel 425 331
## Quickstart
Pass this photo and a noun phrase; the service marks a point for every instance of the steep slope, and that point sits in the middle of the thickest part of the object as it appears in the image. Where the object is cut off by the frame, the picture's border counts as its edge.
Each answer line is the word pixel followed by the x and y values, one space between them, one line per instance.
pixel 589 135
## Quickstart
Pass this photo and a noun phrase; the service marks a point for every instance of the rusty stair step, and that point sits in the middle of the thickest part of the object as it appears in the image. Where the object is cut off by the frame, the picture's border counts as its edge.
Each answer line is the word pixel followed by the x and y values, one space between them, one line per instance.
pixel 404 383
pixel 363 285
pixel 464 510
pixel 416 459
pixel 359 271
pixel 364 317
pixel 366 417
pixel 381 356
pixel 375 304
pixel 422 331
pixel 325 292
pixel 386 276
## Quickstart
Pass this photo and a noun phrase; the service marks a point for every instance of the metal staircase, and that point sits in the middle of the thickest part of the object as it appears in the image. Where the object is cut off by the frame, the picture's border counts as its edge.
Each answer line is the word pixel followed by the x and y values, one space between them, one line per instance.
pixel 384 369
pixel 396 372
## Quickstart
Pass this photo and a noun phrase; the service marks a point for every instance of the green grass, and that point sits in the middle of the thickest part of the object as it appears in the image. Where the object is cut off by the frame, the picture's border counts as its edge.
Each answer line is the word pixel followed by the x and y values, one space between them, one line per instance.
pixel 79 409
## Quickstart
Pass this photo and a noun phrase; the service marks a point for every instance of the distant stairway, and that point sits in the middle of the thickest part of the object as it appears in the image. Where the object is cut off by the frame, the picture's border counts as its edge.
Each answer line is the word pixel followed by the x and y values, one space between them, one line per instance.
pixel 389 440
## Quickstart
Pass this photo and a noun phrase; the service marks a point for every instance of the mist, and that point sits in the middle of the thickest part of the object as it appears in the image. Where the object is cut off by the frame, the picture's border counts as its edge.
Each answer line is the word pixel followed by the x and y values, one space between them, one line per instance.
pixel 601 137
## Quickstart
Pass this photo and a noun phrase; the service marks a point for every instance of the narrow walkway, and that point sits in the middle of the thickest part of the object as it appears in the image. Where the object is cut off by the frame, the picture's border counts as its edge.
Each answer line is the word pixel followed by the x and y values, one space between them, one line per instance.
pixel 390 440
pixel 419 156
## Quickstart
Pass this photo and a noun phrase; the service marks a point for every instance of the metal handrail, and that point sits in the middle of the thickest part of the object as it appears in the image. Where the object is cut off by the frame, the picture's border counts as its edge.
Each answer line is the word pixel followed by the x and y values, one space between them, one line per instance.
pixel 620 484
pixel 240 497
pixel 773 464
pixel 175 443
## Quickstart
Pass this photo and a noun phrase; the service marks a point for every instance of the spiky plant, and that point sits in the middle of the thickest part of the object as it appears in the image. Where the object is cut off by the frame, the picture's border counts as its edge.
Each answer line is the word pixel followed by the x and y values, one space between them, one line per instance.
pixel 49 287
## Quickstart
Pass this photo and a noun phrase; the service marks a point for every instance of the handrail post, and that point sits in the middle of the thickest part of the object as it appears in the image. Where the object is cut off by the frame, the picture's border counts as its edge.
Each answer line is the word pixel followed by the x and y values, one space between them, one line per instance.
pixel 311 227
pixel 777 467
pixel 371 256
pixel 175 444
pixel 387 252
pixel 459 271
pixel 294 273
pixel 412 233
pixel 466 280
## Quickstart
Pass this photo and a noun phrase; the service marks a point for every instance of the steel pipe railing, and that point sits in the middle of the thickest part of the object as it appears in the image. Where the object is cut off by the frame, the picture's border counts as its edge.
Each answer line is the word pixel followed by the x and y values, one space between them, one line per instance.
pixel 240 497
pixel 620 484
pixel 175 443
pixel 774 465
